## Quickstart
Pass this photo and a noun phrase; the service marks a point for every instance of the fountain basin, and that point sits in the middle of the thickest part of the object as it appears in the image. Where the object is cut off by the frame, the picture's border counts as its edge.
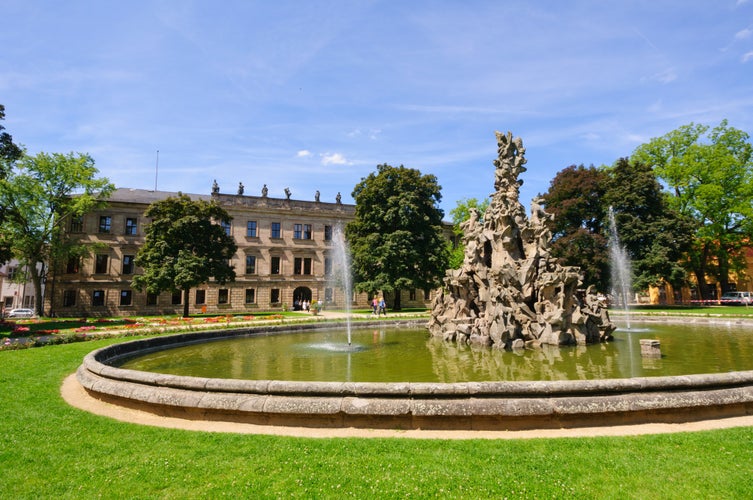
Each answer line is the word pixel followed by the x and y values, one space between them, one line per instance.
pixel 409 405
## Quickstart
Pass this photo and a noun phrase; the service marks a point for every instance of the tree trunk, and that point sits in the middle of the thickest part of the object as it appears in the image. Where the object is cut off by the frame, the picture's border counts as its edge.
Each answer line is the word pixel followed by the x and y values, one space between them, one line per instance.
pixel 36 279
pixel 396 303
pixel 185 302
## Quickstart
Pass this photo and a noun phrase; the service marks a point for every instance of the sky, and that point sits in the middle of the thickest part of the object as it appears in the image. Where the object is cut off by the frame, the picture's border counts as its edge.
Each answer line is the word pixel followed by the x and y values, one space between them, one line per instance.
pixel 313 95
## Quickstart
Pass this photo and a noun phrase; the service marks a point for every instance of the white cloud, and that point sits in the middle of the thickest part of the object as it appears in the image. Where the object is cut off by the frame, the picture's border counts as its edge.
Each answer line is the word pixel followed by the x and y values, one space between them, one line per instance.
pixel 747 56
pixel 334 159
pixel 304 153
pixel 743 34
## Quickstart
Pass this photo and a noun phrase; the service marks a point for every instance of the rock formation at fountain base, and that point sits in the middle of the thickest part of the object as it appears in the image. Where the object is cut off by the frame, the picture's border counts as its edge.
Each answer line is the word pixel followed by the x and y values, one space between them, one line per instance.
pixel 510 293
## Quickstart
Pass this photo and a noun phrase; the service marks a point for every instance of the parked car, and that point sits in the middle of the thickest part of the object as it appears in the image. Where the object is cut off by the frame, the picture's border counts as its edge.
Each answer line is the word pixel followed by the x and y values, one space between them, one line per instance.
pixel 737 299
pixel 21 313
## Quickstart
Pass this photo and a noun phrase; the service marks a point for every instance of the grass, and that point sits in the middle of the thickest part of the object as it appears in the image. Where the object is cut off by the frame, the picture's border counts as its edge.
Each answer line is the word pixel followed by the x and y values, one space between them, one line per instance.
pixel 49 449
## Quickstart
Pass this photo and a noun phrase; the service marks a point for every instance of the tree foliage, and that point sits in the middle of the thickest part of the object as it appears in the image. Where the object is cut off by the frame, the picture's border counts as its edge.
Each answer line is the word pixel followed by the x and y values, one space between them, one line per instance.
pixel 396 237
pixel 460 214
pixel 39 195
pixel 576 199
pixel 655 235
pixel 710 173
pixel 185 246
pixel 9 154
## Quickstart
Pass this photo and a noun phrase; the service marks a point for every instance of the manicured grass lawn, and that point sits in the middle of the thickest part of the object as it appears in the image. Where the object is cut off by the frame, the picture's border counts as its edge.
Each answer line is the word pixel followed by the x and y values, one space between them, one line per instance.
pixel 49 449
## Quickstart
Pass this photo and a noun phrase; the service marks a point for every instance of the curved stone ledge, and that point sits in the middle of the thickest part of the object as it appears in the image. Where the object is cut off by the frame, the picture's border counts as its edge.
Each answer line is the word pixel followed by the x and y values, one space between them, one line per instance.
pixel 471 405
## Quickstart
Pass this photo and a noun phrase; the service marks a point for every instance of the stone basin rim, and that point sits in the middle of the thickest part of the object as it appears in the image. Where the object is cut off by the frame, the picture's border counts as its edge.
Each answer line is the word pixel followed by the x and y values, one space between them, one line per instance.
pixel 511 405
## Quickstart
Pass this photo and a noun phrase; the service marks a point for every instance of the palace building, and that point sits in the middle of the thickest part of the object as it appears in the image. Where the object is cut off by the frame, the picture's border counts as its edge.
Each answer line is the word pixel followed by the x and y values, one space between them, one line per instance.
pixel 285 256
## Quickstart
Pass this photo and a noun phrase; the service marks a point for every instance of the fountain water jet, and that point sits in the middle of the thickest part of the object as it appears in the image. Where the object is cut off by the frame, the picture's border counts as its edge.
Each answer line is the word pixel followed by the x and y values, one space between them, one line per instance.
pixel 622 285
pixel 341 272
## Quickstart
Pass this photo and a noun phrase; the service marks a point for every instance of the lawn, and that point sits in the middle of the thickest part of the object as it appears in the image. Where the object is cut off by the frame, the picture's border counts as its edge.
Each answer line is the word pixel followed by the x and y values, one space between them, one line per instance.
pixel 49 449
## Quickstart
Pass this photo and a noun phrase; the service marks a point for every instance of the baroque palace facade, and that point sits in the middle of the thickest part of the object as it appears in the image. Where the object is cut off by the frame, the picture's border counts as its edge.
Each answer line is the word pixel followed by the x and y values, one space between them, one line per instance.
pixel 285 256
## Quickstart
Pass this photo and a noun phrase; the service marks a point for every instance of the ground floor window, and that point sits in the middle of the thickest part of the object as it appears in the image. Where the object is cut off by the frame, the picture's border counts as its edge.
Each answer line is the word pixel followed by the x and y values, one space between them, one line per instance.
pixel 328 295
pixel 98 298
pixel 250 295
pixel 69 298
pixel 201 296
pixel 223 296
pixel 274 295
pixel 151 299
pixel 177 298
pixel 126 297
pixel 412 294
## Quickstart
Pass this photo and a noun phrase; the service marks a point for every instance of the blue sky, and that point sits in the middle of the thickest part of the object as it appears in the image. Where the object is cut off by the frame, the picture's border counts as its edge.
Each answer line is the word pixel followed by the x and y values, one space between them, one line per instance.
pixel 313 95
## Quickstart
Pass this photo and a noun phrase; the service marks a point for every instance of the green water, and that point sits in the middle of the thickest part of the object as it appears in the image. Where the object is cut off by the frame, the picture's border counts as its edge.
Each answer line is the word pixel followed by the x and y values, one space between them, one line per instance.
pixel 410 355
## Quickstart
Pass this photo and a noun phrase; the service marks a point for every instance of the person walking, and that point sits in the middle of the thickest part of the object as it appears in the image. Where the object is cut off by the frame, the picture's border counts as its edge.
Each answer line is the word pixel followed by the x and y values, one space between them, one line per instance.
pixel 382 307
pixel 374 306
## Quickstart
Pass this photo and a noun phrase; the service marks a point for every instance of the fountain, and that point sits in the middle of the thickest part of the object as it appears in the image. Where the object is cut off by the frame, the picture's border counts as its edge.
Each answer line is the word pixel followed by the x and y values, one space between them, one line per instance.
pixel 620 268
pixel 341 272
pixel 509 292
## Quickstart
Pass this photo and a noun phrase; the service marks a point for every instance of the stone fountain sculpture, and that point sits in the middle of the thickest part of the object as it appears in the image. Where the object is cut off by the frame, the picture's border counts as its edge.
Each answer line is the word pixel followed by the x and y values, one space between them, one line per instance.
pixel 509 292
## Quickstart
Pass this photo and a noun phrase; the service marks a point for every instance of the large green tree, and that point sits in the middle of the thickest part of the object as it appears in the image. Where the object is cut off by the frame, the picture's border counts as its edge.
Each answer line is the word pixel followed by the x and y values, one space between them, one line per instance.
pixel 460 214
pixel 185 246
pixel 710 173
pixel 9 154
pixel 396 237
pixel 38 196
pixel 655 235
pixel 576 199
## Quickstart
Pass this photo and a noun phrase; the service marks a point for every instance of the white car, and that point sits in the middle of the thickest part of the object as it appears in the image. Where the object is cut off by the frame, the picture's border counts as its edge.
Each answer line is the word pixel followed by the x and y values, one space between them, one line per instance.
pixel 21 313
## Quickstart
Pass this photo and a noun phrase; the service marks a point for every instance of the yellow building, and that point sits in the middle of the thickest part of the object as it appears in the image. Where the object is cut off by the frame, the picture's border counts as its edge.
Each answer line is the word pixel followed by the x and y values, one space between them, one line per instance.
pixel 284 257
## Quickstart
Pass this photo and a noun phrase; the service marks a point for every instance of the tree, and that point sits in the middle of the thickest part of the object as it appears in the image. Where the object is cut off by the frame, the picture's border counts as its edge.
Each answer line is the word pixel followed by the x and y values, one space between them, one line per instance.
pixel 460 214
pixel 9 154
pixel 576 199
pixel 39 195
pixel 711 176
pixel 185 246
pixel 655 235
pixel 396 237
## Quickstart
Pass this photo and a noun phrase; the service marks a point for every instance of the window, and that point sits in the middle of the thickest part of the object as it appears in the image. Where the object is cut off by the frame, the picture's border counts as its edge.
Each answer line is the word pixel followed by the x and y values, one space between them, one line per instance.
pixel 69 298
pixel 412 294
pixel 274 266
pixel 327 233
pixel 126 296
pixel 274 296
pixel 131 229
pixel 72 266
pixel 226 226
pixel 427 294
pixel 77 224
pixel 12 273
pixel 105 223
pixel 100 264
pixel 327 266
pixel 98 298
pixel 151 299
pixel 177 298
pixel 328 295
pixel 128 264
pixel 276 232
pixel 250 264
pixel 201 296
pixel 223 296
pixel 250 295
pixel 302 265
pixel 251 229
pixel 302 231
